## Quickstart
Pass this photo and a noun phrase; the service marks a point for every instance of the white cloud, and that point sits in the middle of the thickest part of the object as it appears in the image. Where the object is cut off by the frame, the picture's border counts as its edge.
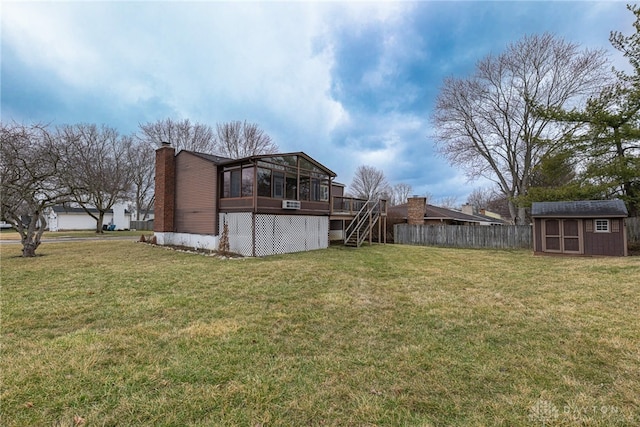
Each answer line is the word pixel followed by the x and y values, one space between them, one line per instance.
pixel 209 61
pixel 274 63
pixel 47 38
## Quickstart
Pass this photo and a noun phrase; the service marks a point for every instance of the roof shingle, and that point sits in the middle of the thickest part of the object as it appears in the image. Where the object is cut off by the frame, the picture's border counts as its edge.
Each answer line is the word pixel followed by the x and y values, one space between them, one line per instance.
pixel 581 208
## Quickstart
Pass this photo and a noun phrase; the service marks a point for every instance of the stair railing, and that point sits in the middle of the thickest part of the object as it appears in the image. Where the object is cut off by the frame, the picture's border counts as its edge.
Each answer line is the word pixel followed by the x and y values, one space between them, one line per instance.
pixel 363 222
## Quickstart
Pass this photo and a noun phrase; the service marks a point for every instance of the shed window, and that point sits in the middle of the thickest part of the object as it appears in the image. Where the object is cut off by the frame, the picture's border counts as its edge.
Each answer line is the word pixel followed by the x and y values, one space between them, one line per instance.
pixel 602 225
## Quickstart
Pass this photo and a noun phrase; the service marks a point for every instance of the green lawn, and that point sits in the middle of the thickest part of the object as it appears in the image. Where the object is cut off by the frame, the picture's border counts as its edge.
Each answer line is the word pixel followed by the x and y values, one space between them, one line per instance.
pixel 122 333
pixel 11 234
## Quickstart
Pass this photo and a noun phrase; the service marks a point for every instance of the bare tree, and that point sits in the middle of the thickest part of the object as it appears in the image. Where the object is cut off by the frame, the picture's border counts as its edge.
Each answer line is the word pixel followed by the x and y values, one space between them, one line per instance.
pixel 369 183
pixel 481 197
pixel 141 159
pixel 400 193
pixel 241 139
pixel 29 181
pixel 449 202
pixel 181 134
pixel 486 123
pixel 96 170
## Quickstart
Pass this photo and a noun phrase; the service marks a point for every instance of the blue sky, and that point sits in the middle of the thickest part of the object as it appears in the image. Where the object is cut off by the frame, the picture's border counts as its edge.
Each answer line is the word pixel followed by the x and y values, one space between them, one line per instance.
pixel 348 83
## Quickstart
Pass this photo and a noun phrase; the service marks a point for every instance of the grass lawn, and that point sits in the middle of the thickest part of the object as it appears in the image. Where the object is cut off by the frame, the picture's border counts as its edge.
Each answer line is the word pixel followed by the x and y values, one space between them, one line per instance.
pixel 122 333
pixel 11 234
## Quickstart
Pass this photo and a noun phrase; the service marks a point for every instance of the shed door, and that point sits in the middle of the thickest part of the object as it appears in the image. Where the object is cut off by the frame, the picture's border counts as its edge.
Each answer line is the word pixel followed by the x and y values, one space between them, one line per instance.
pixel 571 242
pixel 563 236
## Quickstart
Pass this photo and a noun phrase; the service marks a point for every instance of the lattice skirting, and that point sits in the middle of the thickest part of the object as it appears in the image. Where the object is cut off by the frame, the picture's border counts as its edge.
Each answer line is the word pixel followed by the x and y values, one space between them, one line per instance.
pixel 240 232
pixel 275 234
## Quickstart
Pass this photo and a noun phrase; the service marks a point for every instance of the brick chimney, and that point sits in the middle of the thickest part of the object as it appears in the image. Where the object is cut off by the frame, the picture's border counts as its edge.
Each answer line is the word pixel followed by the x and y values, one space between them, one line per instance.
pixel 164 208
pixel 416 207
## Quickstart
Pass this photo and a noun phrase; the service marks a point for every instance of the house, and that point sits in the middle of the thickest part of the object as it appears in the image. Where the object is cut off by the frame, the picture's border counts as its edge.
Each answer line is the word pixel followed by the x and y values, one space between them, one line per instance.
pixel 74 218
pixel 434 215
pixel 590 227
pixel 268 204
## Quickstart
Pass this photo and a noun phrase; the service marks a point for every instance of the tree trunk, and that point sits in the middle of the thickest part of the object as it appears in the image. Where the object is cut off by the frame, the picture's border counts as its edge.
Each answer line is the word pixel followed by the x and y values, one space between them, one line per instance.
pixel 31 237
pixel 99 222
pixel 522 216
pixel 29 249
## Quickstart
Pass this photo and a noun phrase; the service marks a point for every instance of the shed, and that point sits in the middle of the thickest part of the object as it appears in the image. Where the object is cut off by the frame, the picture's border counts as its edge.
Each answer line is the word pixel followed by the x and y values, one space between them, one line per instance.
pixel 587 227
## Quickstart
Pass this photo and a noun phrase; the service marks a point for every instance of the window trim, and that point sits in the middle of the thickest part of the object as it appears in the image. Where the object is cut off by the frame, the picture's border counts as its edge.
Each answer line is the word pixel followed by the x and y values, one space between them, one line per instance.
pixel 601 226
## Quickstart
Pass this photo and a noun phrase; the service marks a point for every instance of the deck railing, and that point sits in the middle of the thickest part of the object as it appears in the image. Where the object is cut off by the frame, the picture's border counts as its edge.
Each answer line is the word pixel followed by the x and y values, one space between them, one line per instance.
pixel 352 205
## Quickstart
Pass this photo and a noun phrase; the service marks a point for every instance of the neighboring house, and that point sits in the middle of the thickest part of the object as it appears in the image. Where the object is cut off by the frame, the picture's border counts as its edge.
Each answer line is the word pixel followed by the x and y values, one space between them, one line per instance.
pixel 66 218
pixel 435 215
pixel 270 204
pixel 591 227
pixel 149 216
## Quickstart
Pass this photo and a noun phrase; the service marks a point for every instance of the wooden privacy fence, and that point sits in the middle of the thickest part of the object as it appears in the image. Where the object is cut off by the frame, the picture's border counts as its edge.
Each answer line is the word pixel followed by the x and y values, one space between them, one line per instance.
pixel 465 236
pixel 141 225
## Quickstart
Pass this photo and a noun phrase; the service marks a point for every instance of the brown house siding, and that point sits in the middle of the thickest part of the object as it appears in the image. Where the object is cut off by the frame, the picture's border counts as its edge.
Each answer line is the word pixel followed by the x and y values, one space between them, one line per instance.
pixel 266 205
pixel 196 184
pixel 337 190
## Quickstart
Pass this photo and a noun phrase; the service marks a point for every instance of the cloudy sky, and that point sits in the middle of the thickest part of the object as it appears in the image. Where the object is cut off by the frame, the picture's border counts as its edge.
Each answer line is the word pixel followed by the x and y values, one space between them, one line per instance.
pixel 348 83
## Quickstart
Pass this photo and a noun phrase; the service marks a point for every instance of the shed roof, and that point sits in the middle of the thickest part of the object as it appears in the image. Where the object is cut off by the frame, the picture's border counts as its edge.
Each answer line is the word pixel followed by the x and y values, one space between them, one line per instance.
pixel 581 208
pixel 76 210
pixel 81 211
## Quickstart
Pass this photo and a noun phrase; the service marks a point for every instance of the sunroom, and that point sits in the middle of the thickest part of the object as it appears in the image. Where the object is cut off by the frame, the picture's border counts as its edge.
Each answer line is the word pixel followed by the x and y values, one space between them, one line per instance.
pixel 290 183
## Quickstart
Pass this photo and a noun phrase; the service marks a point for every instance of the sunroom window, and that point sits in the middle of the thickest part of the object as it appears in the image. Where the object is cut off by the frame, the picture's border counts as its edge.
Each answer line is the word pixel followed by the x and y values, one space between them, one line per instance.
pixel 278 185
pixel 264 182
pixel 237 183
pixel 293 178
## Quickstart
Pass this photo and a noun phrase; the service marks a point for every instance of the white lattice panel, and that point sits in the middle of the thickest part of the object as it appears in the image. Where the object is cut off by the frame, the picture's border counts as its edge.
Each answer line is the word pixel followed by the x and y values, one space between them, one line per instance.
pixel 240 232
pixel 279 234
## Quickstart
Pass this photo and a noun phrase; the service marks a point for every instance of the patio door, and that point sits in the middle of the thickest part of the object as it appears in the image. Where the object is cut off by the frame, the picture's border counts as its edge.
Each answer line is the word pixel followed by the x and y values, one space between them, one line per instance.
pixel 563 236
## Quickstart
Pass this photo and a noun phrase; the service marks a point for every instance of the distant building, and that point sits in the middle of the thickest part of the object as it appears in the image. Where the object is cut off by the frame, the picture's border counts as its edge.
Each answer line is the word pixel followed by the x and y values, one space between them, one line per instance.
pixel 427 214
pixel 61 218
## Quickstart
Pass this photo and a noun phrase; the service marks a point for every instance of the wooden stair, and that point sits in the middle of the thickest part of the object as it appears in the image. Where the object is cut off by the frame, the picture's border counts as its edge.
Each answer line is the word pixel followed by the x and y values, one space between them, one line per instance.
pixel 362 224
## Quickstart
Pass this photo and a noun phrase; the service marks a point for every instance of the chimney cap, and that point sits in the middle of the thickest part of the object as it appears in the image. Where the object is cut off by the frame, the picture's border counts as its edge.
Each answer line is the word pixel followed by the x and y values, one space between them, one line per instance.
pixel 165 144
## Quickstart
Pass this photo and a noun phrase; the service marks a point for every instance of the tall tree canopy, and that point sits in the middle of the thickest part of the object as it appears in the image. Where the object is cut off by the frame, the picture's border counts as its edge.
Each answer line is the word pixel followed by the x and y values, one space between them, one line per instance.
pixel 30 171
pixel 608 142
pixel 238 139
pixel 181 134
pixel 486 124
pixel 96 169
pixel 369 183
pixel 399 194
pixel 141 158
